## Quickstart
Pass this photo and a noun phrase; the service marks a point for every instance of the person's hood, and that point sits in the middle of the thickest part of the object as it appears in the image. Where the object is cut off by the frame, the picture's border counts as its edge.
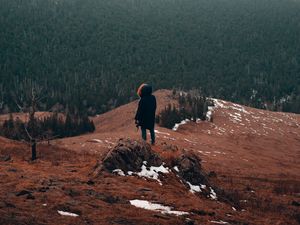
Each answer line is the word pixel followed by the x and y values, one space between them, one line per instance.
pixel 144 90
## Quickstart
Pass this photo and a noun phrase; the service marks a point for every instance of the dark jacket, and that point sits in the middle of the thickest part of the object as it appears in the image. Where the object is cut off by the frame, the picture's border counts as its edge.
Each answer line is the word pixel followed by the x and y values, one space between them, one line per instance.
pixel 145 115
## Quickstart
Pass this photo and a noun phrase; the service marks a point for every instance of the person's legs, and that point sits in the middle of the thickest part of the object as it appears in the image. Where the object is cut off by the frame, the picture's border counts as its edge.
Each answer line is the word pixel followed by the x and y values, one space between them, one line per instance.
pixel 152 133
pixel 144 133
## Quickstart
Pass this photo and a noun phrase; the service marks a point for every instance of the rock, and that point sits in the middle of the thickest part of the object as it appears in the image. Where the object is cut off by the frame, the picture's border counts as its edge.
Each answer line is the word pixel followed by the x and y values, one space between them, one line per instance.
pixel 189 166
pixel 23 192
pixel 5 158
pixel 43 189
pixel 169 147
pixel 295 203
pixel 30 196
pixel 189 222
pixel 128 155
pixel 203 213
pixel 72 193
pixel 104 197
pixel 145 190
pixel 90 182
pixel 212 174
pixel 9 205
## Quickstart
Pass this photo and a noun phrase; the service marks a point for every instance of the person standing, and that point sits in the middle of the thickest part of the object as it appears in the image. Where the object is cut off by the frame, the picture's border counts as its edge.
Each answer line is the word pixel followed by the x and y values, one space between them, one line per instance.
pixel 145 114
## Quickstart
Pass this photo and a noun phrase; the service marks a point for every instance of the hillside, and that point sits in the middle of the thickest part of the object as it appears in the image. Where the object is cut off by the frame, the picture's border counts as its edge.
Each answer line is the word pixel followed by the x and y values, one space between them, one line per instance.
pixel 250 154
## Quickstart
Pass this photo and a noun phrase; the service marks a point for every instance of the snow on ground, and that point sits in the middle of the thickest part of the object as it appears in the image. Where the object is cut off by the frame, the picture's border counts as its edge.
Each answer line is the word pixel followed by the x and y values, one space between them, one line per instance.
pixel 156 207
pixel 110 142
pixel 213 194
pixel 67 213
pixel 219 222
pixel 177 125
pixel 235 118
pixel 159 132
pixel 199 188
pixel 242 118
pixel 96 140
pixel 196 188
pixel 119 172
pixel 224 105
pixel 176 168
pixel 151 172
pixel 209 113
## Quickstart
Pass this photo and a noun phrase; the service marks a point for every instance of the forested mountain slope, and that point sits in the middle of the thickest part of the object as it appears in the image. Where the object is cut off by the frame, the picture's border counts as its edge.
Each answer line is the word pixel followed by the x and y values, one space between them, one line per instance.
pixel 94 53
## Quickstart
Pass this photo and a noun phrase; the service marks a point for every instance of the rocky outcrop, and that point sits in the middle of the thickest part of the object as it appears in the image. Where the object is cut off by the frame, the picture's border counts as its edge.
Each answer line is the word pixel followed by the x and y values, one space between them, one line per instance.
pixel 189 168
pixel 129 155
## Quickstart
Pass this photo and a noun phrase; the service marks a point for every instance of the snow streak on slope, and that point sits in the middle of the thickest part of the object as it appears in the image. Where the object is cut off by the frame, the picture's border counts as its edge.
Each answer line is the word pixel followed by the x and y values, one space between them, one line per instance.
pixel 156 207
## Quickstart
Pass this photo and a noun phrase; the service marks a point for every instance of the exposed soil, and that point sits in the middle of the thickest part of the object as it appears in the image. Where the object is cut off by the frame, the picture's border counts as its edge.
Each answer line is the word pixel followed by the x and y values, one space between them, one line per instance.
pixel 250 156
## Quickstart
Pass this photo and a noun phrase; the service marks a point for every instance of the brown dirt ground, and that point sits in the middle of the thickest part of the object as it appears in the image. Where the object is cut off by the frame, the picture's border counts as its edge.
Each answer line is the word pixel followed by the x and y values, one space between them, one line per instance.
pixel 254 153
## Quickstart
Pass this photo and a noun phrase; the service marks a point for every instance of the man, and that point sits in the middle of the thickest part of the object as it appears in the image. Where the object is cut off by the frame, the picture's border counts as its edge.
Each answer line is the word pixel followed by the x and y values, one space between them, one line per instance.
pixel 145 115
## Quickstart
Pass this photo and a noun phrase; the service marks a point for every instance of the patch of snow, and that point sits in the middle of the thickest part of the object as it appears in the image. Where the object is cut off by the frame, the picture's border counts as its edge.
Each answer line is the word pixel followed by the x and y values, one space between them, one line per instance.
pixel 218 103
pixel 222 129
pixel 159 132
pixel 239 108
pixel 119 172
pixel 196 188
pixel 221 104
pixel 152 172
pixel 254 92
pixel 109 142
pixel 67 213
pixel 209 113
pixel 176 168
pixel 96 140
pixel 156 207
pixel 219 222
pixel 235 117
pixel 213 194
pixel 177 125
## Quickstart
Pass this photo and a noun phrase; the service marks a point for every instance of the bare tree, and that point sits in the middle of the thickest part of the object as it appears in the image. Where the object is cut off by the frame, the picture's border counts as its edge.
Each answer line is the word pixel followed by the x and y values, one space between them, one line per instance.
pixel 27 98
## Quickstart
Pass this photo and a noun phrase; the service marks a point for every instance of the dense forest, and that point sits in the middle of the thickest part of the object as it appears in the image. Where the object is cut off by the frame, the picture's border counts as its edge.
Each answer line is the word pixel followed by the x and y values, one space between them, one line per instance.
pixel 47 128
pixel 92 54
